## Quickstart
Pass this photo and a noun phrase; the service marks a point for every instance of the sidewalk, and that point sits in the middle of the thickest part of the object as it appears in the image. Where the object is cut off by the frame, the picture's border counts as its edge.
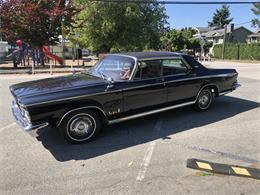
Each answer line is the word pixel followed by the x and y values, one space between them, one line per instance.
pixel 71 66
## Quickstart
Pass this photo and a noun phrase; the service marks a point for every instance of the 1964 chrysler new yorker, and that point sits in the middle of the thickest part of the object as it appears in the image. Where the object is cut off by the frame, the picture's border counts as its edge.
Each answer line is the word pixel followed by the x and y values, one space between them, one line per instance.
pixel 120 87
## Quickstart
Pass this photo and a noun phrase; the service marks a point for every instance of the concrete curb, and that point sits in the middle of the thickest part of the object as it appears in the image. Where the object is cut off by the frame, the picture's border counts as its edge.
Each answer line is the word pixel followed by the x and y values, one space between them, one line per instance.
pixel 36 72
pixel 41 71
pixel 226 169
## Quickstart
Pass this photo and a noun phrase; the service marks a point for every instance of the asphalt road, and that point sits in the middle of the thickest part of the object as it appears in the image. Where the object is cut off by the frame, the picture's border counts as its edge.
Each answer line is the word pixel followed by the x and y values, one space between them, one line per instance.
pixel 143 156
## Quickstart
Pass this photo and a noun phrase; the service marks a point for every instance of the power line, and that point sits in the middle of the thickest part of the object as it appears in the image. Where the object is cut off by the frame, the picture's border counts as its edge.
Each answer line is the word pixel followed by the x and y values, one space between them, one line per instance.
pixel 179 2
pixel 243 23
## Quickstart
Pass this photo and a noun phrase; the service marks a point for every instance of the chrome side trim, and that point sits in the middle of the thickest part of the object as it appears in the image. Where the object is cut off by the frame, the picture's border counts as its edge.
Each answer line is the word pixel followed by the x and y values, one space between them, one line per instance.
pixel 85 107
pixel 186 79
pixel 160 58
pixel 71 98
pixel 224 93
pixel 161 109
pixel 149 113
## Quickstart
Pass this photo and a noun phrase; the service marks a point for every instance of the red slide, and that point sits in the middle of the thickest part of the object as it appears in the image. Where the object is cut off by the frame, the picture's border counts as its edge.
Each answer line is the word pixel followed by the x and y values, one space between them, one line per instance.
pixel 47 52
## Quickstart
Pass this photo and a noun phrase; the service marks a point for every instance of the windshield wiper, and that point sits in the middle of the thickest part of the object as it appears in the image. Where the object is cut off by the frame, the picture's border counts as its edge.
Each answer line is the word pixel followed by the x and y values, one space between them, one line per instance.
pixel 102 75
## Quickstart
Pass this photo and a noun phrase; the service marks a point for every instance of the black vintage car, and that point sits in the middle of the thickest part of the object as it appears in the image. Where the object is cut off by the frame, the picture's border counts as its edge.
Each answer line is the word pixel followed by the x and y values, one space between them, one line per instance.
pixel 118 88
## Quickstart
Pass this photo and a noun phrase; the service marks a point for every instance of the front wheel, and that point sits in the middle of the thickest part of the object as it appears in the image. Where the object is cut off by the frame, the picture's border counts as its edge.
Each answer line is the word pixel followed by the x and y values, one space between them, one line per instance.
pixel 80 126
pixel 204 100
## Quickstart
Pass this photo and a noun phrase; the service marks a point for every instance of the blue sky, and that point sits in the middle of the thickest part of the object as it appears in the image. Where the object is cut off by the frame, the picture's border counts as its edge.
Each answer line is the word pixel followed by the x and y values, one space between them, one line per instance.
pixel 199 15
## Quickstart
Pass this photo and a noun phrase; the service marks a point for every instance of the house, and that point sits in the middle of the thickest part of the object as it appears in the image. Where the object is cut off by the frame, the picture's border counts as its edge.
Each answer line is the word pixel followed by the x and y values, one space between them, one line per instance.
pixel 201 30
pixel 254 38
pixel 233 35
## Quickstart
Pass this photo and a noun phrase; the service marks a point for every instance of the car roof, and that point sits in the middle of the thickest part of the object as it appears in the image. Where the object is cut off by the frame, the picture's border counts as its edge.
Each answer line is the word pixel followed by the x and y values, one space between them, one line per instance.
pixel 150 54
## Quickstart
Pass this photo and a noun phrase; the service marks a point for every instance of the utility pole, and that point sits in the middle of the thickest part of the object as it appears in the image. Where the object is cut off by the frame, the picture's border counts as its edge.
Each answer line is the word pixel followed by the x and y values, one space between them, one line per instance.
pixel 224 42
pixel 63 42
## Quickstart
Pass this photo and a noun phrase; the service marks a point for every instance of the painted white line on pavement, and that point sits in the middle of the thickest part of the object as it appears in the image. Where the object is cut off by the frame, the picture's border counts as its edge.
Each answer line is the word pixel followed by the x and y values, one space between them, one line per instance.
pixel 8 126
pixel 149 151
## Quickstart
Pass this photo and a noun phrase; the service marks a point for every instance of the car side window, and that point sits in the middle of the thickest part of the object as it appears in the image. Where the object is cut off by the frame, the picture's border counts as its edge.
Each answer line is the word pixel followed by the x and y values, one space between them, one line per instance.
pixel 149 69
pixel 173 67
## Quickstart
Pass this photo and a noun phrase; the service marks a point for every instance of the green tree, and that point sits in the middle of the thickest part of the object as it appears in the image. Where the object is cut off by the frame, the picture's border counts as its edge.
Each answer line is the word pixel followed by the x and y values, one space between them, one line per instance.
pixel 176 40
pixel 221 17
pixel 107 26
pixel 256 11
pixel 35 22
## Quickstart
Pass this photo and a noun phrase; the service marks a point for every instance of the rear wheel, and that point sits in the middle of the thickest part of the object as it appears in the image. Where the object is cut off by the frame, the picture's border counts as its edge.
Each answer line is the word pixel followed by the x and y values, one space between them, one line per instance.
pixel 80 126
pixel 205 100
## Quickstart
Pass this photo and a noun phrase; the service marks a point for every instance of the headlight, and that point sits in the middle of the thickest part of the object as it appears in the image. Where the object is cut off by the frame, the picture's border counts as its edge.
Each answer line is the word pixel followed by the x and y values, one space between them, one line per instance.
pixel 25 113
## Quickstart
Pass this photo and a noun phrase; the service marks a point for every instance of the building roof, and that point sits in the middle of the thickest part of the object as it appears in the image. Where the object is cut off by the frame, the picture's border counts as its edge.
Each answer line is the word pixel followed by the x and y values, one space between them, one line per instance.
pixel 152 54
pixel 204 29
pixel 254 35
pixel 220 32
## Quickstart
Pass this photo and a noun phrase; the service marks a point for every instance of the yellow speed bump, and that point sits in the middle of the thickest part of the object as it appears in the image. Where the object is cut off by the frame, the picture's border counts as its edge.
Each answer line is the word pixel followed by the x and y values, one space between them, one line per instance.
pixel 203 165
pixel 223 168
pixel 241 171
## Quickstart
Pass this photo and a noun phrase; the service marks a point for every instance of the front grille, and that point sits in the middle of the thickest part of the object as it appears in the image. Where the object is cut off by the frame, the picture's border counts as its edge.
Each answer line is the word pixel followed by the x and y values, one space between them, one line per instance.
pixel 23 113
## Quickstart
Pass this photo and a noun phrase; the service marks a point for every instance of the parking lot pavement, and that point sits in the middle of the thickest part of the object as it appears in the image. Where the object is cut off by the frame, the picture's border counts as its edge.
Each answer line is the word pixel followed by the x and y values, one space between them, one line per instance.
pixel 143 156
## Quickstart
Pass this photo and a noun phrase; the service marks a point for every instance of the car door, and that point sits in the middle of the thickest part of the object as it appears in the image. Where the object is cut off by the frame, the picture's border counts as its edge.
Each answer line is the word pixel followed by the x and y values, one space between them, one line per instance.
pixel 147 90
pixel 181 82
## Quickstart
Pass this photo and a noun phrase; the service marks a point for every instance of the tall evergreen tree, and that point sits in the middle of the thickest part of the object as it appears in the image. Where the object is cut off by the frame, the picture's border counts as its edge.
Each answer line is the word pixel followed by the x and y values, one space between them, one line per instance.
pixel 221 17
pixel 256 11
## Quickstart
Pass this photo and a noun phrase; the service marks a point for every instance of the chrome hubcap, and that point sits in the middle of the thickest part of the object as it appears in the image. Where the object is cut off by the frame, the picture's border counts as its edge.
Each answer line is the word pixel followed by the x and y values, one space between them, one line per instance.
pixel 204 99
pixel 81 126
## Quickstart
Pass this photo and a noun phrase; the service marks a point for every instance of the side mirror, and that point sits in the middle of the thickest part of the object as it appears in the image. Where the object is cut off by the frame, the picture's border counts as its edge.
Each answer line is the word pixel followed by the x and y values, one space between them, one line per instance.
pixel 110 82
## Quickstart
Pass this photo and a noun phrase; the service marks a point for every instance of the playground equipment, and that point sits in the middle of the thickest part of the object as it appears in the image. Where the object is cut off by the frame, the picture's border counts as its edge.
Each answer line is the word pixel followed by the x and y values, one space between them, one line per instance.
pixel 50 55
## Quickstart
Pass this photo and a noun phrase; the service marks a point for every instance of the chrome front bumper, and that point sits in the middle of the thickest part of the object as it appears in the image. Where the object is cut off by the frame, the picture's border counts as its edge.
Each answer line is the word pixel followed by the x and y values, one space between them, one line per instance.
pixel 23 122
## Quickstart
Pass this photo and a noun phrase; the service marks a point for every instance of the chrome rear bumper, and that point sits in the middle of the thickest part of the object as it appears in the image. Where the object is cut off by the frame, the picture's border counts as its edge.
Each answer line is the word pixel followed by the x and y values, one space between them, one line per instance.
pixel 234 87
pixel 23 122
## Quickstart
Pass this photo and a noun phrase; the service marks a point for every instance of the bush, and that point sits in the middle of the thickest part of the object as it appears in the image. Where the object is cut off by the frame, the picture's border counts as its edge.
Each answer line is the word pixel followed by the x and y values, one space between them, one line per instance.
pixel 249 51
pixel 231 51
pixel 240 51
pixel 217 51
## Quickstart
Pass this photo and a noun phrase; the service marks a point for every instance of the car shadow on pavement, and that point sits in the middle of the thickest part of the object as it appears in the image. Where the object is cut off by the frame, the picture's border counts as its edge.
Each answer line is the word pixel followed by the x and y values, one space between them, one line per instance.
pixel 128 134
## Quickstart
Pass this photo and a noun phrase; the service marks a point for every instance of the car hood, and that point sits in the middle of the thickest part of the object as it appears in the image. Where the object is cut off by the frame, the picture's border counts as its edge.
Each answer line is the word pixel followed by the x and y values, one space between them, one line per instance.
pixel 53 85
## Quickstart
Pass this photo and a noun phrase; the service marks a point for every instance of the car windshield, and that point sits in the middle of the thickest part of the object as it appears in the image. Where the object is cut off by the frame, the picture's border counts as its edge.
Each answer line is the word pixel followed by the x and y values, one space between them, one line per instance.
pixel 115 67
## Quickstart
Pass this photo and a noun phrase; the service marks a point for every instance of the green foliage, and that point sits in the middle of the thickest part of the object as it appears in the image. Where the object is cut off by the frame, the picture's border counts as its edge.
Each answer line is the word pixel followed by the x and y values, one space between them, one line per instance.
pixel 256 11
pixel 221 17
pixel 35 22
pixel 231 51
pixel 176 40
pixel 249 51
pixel 240 51
pixel 217 51
pixel 107 26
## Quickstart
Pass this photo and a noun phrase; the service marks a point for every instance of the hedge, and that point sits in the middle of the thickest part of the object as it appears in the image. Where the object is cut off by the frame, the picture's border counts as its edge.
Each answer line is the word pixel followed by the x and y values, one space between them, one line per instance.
pixel 241 51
